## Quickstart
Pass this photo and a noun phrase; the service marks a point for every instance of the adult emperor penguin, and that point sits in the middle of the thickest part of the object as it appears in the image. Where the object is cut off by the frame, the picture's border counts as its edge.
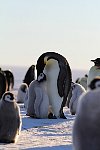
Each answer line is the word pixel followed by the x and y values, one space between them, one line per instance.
pixel 10 119
pixel 30 75
pixel 94 71
pixel 59 78
pixel 10 79
pixel 86 128
pixel 37 99
pixel 3 83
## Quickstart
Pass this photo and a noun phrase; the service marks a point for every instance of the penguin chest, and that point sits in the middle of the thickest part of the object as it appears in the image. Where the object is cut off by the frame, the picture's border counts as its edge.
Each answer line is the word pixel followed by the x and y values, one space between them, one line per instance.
pixel 52 71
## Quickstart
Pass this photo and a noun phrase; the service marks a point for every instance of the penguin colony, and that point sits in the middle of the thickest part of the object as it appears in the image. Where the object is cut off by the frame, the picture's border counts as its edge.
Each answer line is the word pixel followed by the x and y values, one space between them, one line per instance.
pixel 51 89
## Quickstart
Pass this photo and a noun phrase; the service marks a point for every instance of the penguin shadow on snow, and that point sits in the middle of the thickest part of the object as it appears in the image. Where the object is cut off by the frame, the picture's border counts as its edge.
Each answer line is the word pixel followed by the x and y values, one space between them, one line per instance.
pixel 64 147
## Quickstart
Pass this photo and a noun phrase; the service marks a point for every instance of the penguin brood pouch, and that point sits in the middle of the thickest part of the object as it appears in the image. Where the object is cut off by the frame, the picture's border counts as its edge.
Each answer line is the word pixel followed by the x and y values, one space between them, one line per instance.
pixel 10 119
pixel 58 77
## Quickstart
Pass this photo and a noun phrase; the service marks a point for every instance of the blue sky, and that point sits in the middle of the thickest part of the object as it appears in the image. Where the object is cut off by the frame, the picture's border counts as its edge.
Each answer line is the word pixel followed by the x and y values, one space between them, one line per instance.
pixel 30 27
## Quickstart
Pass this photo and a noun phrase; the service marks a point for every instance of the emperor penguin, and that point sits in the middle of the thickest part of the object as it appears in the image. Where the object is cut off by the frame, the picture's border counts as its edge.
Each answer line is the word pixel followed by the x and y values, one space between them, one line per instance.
pixel 22 93
pixel 10 119
pixel 3 83
pixel 30 75
pixel 58 74
pixel 10 79
pixel 38 101
pixel 95 83
pixel 83 81
pixel 86 128
pixel 94 71
pixel 76 90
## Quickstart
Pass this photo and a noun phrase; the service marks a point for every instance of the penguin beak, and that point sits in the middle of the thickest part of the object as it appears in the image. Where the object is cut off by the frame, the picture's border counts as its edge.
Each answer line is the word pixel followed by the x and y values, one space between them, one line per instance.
pixel 93 60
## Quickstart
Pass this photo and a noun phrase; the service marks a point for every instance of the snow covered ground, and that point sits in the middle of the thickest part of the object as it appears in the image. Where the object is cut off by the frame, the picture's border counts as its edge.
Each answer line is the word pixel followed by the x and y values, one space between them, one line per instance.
pixel 43 134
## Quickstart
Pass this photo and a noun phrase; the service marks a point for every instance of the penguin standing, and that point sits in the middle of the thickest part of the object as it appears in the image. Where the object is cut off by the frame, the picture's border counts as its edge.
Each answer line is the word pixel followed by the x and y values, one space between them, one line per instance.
pixel 94 71
pixel 76 90
pixel 22 93
pixel 10 79
pixel 30 75
pixel 3 83
pixel 86 128
pixel 59 78
pixel 37 98
pixel 10 119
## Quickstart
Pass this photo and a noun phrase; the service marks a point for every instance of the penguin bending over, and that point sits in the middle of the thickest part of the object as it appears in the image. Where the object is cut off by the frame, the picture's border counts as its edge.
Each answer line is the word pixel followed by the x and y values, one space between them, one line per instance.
pixel 10 119
pixel 59 78
pixel 86 128
pixel 38 102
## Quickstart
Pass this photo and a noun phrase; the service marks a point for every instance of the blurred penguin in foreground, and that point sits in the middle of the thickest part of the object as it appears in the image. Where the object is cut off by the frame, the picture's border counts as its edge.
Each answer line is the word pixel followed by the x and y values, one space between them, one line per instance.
pixel 94 71
pixel 86 128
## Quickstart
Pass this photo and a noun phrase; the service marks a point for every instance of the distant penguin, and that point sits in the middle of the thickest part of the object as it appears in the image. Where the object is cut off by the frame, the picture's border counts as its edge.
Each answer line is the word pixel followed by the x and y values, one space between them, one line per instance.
pixel 86 128
pixel 38 102
pixel 22 93
pixel 10 119
pixel 95 83
pixel 3 83
pixel 94 71
pixel 10 79
pixel 83 81
pixel 59 78
pixel 30 75
pixel 76 90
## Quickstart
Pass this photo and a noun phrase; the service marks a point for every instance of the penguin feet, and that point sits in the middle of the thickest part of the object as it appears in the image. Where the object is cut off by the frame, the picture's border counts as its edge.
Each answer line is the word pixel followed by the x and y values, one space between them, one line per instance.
pixel 51 116
pixel 62 115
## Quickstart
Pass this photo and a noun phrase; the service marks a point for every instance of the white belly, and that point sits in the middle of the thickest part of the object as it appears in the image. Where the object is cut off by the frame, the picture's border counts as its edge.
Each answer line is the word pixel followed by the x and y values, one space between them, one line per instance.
pixel 52 71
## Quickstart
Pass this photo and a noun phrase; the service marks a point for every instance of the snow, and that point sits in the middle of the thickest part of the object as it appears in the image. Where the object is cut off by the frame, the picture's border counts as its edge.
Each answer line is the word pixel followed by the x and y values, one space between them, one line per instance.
pixel 43 134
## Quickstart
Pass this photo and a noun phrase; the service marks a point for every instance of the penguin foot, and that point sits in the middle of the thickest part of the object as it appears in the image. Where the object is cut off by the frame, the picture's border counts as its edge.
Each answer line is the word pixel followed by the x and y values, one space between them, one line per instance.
pixel 51 116
pixel 6 141
pixel 62 116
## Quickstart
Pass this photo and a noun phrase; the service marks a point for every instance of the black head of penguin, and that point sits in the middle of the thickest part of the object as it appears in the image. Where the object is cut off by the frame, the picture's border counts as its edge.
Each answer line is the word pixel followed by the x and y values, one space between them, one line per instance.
pixel 95 83
pixel 96 61
pixel 8 96
pixel 64 77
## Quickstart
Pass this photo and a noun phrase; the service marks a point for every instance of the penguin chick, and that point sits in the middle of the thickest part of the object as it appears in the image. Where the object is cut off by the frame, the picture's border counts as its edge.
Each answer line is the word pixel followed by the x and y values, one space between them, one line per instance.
pixel 77 90
pixel 95 83
pixel 22 92
pixel 86 128
pixel 10 119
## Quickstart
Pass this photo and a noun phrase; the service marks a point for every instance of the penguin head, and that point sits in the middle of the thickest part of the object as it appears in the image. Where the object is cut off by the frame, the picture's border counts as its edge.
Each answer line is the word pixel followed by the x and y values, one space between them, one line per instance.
pixel 8 96
pixel 95 83
pixel 96 61
pixel 24 87
pixel 41 77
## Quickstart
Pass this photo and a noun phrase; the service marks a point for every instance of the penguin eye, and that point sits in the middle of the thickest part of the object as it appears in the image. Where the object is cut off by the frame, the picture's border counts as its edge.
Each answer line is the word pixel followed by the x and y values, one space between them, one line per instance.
pixel 7 97
pixel 97 84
